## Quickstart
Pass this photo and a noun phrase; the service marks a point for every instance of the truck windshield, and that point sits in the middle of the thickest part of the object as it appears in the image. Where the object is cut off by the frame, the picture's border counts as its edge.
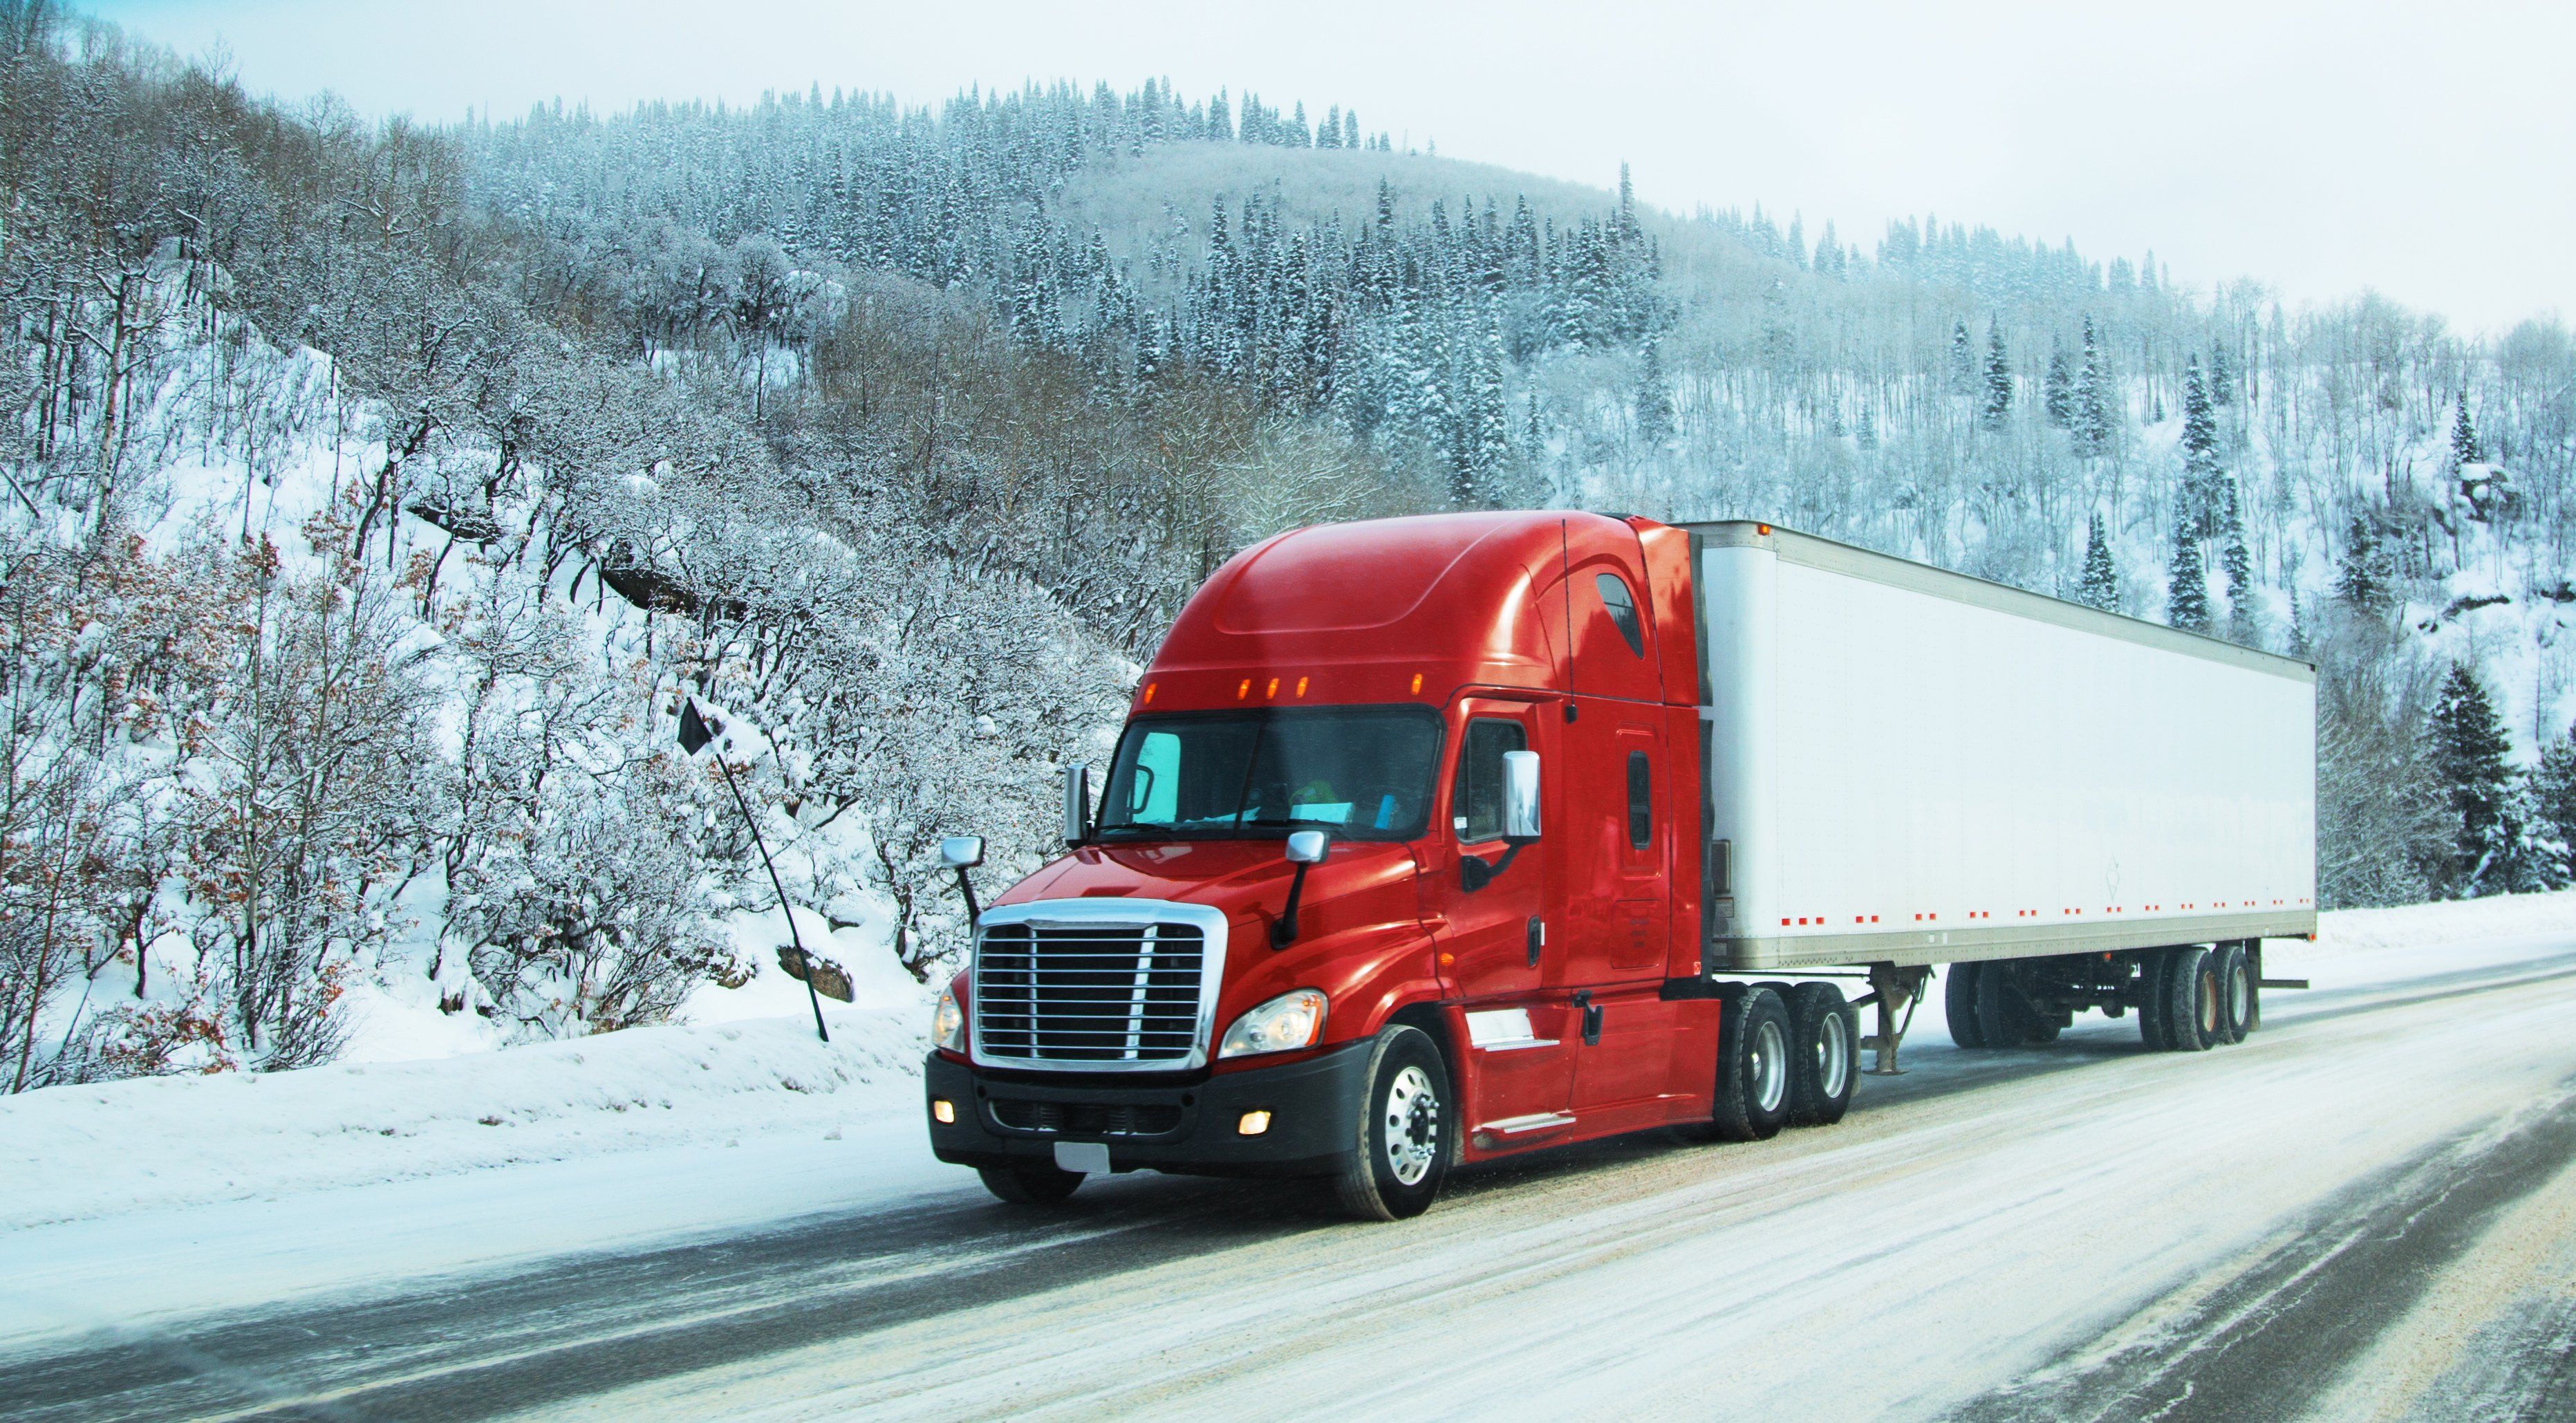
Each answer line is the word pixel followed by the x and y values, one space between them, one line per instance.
pixel 1364 773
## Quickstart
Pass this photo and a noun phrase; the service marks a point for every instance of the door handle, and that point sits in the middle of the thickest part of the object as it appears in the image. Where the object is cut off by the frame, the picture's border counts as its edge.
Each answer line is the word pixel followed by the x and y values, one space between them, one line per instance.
pixel 1590 1017
pixel 1537 938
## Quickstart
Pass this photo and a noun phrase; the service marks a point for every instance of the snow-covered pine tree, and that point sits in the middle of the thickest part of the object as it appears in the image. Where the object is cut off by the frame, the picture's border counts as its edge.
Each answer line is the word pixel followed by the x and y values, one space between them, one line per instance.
pixel 2057 392
pixel 2238 565
pixel 2464 438
pixel 2095 400
pixel 2361 575
pixel 1999 381
pixel 2201 473
pixel 2187 601
pixel 1654 397
pixel 2470 761
pixel 1963 360
pixel 2222 377
pixel 2100 585
pixel 2552 798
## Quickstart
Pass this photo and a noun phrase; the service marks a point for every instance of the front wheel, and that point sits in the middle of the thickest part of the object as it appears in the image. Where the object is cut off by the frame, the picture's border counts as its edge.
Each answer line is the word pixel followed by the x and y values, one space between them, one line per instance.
pixel 1403 1148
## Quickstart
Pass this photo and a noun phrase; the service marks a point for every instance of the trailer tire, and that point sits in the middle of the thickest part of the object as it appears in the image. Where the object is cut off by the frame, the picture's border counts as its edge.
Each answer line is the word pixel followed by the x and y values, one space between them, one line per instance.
pixel 1403 1150
pixel 1753 1067
pixel 2253 985
pixel 2004 1018
pixel 2235 988
pixel 1823 1032
pixel 2153 966
pixel 2191 999
pixel 1033 1184
pixel 1959 1005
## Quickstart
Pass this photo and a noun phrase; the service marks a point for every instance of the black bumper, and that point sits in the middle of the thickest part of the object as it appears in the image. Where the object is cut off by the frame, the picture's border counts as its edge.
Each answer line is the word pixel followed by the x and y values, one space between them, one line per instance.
pixel 1186 1129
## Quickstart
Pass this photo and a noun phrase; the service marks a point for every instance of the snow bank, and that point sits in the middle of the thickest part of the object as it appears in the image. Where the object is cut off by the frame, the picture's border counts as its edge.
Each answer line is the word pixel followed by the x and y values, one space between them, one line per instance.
pixel 69 1153
pixel 2425 925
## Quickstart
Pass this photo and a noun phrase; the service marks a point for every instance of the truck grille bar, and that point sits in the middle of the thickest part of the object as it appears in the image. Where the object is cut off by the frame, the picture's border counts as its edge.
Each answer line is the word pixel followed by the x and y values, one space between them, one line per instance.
pixel 1096 985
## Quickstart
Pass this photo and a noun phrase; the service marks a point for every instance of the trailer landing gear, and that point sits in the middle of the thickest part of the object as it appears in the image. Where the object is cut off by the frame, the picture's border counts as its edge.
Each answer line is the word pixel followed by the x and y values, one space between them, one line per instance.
pixel 1895 990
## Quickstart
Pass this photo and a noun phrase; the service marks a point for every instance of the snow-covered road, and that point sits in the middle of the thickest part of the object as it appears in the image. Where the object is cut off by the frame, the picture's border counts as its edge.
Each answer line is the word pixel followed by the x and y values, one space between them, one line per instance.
pixel 2368 1210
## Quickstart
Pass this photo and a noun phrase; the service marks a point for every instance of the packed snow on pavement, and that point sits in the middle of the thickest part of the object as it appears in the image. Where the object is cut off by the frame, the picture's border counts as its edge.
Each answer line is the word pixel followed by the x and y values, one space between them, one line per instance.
pixel 164 1197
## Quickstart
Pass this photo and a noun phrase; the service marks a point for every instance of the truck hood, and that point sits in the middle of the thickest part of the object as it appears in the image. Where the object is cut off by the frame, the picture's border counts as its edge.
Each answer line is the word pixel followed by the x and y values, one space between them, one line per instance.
pixel 1359 882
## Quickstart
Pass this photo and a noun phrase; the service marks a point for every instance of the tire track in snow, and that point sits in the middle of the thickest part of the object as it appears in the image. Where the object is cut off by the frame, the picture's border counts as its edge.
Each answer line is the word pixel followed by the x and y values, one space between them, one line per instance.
pixel 2268 1341
pixel 578 1327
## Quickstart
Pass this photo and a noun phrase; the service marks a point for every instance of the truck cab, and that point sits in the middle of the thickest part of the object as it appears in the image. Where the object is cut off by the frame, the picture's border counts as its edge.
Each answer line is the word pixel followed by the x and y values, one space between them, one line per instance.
pixel 1394 867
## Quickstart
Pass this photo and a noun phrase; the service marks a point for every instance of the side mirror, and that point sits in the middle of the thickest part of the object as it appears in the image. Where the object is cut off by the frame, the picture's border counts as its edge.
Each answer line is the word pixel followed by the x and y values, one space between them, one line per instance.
pixel 1077 804
pixel 1306 847
pixel 1520 796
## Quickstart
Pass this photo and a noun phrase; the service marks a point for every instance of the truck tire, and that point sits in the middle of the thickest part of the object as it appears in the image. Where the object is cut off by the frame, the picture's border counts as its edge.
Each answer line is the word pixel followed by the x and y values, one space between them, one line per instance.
pixel 1753 1067
pixel 1034 1184
pixel 1823 1032
pixel 2003 1017
pixel 2253 985
pixel 2235 990
pixel 2153 966
pixel 1402 1154
pixel 1959 1004
pixel 2191 999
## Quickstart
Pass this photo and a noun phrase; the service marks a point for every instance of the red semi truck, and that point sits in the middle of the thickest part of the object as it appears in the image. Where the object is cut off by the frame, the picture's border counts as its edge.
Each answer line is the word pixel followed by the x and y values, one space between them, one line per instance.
pixel 1435 840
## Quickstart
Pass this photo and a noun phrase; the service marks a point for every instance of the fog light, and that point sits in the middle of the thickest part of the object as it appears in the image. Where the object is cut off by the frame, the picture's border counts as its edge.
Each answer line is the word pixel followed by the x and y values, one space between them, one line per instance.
pixel 1253 1124
pixel 944 1110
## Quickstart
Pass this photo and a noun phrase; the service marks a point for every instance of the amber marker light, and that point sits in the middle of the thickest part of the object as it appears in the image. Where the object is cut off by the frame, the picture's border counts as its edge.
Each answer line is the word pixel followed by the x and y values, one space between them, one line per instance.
pixel 1301 686
pixel 1762 529
pixel 1253 1124
pixel 1417 684
pixel 1272 690
pixel 1149 694
pixel 1243 689
pixel 944 1110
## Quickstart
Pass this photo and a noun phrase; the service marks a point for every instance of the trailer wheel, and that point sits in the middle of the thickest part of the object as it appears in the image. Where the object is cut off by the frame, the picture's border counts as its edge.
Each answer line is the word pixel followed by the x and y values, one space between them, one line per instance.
pixel 1753 1067
pixel 1959 1005
pixel 1403 1149
pixel 1035 1184
pixel 2003 1016
pixel 2253 985
pixel 2191 999
pixel 2235 991
pixel 1822 1030
pixel 2153 966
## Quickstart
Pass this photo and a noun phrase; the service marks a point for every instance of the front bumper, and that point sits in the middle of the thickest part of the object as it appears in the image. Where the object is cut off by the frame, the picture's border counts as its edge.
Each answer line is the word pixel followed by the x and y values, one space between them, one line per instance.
pixel 1188 1129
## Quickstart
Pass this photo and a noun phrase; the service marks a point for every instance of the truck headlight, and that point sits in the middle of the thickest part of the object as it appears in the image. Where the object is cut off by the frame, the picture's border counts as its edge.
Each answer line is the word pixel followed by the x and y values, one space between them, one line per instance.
pixel 1285 1023
pixel 948 1022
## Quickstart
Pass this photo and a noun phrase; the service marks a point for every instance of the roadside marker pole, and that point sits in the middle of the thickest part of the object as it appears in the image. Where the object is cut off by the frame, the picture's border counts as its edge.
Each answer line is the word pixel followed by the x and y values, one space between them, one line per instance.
pixel 694 736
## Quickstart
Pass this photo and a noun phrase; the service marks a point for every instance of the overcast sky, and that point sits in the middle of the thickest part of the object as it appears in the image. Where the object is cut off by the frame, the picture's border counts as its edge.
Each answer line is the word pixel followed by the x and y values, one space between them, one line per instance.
pixel 2321 146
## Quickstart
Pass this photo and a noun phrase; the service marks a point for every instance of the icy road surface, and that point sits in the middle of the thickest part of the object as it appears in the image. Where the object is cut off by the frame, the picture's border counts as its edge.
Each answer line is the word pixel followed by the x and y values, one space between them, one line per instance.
pixel 2368 1210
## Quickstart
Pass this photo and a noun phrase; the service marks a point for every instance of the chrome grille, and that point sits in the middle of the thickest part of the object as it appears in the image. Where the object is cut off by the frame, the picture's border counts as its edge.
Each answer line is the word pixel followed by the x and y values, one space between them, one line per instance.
pixel 1096 985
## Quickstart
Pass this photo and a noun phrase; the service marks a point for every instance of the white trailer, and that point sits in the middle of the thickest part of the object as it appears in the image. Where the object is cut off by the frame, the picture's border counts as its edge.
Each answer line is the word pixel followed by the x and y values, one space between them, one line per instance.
pixel 1906 766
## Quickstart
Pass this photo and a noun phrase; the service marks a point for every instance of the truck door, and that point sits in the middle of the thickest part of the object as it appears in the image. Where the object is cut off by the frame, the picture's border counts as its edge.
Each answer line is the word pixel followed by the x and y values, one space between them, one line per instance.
pixel 1498 949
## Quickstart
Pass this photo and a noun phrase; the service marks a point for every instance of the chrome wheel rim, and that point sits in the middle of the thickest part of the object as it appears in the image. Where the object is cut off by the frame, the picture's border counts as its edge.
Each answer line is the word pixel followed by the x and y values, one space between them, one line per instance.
pixel 1770 1066
pixel 1833 1056
pixel 1412 1125
pixel 2239 991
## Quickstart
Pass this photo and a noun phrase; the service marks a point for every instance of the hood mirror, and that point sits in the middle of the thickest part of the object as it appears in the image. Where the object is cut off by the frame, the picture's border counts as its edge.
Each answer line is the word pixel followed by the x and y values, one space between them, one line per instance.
pixel 1305 849
pixel 962 853
pixel 1077 804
